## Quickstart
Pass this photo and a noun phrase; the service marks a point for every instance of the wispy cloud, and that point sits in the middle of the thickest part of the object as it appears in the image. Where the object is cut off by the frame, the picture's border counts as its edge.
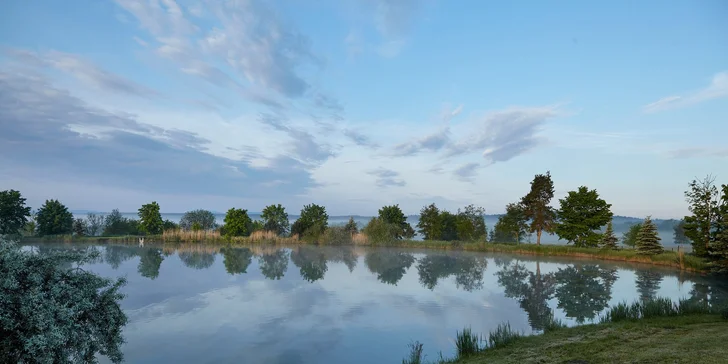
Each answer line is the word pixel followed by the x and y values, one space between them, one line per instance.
pixel 685 153
pixel 718 88
pixel 467 171
pixel 387 177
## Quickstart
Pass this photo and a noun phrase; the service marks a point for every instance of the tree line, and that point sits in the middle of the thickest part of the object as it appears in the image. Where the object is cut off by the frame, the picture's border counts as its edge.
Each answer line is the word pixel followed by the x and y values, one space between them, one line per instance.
pixel 583 218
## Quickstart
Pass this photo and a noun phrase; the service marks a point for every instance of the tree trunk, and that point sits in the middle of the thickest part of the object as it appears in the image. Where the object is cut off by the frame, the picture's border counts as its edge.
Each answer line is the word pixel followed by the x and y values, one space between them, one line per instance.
pixel 538 237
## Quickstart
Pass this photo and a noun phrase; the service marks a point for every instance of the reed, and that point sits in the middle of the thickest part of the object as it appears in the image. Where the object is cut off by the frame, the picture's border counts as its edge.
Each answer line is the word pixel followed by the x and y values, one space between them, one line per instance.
pixel 415 356
pixel 187 236
pixel 658 307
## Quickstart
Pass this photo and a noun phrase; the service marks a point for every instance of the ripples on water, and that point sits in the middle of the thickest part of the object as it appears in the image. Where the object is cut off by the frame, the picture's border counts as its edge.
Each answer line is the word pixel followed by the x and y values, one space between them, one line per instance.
pixel 308 304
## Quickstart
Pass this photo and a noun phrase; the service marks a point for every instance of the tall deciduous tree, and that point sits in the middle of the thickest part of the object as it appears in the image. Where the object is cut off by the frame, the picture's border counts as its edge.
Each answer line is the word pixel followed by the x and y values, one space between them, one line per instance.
pixel 582 212
pixel 150 219
pixel 648 242
pixel 79 227
pixel 536 205
pixel 94 224
pixel 720 244
pixel 237 222
pixel 203 218
pixel 429 224
pixel 393 215
pixel 13 212
pixel 52 313
pixel 471 223
pixel 702 197
pixel 53 218
pixel 609 240
pixel 312 222
pixel 679 233
pixel 275 219
pixel 514 222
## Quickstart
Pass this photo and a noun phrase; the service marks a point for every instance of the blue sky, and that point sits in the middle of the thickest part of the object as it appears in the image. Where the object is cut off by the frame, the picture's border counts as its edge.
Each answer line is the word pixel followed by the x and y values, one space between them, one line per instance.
pixel 355 104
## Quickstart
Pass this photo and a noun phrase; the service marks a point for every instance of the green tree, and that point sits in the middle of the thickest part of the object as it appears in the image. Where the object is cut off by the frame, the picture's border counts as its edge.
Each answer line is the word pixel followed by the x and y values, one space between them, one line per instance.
pixel 275 219
pixel 648 242
pixel 393 215
pixel 256 225
pixel 609 240
pixel 471 224
pixel 30 227
pixel 150 219
pixel 237 222
pixel 679 233
pixel 79 227
pixel 169 225
pixel 629 238
pixel 312 223
pixel 720 244
pixel 13 212
pixel 55 313
pixel 116 224
pixel 513 224
pixel 501 232
pixel 94 224
pixel 702 198
pixel 582 212
pixel 448 226
pixel 351 226
pixel 204 219
pixel 53 218
pixel 536 205
pixel 429 225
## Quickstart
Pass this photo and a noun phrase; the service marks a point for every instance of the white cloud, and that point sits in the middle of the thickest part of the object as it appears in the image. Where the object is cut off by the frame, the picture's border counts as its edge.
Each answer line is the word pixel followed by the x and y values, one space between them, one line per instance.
pixel 718 88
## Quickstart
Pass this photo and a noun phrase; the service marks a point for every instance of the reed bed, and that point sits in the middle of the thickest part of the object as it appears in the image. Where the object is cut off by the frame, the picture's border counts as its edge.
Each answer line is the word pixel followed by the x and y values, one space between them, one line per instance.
pixel 180 236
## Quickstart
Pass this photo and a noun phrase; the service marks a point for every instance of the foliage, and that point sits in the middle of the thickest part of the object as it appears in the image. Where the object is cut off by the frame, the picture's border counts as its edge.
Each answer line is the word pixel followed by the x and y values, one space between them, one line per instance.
pixel 116 224
pixel 13 212
pixel 276 219
pixel 429 225
pixel 168 224
pixel 394 216
pixel 256 225
pixel 53 218
pixel 337 235
pixel 30 227
pixel 536 205
pixel 448 226
pixel 582 212
pixel 79 227
pixel 380 232
pixel 702 198
pixel 679 233
pixel 513 225
pixel 204 219
pixel 609 240
pixel 471 224
pixel 312 223
pixel 648 242
pixel 351 226
pixel 629 238
pixel 720 243
pixel 237 222
pixel 52 313
pixel 94 224
pixel 150 219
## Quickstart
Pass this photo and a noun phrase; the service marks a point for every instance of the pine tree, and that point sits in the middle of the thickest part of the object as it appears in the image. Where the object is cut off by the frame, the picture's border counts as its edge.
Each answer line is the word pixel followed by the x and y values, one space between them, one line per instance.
pixel 609 240
pixel 648 242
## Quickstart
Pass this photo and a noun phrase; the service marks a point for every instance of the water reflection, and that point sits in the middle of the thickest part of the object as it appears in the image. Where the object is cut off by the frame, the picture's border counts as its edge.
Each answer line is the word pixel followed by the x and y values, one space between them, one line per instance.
pixel 308 304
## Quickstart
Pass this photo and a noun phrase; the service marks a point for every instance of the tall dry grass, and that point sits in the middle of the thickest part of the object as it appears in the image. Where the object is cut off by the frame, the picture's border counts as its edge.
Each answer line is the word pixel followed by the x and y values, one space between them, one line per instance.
pixel 189 236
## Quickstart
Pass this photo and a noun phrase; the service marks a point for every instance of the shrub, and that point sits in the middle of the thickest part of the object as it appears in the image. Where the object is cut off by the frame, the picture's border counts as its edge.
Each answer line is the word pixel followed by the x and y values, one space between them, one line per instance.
pixel 337 235
pixel 380 232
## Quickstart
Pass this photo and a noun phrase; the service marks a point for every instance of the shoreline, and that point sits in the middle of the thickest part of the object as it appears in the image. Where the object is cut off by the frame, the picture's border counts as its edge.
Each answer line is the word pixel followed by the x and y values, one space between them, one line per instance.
pixel 671 259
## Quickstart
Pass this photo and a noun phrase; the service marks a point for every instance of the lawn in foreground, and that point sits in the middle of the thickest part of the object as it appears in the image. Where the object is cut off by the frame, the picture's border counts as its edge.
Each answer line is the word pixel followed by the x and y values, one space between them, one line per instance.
pixel 686 339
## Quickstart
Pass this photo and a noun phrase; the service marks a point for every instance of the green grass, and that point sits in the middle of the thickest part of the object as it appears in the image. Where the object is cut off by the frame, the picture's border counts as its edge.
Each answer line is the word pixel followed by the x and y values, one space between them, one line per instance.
pixel 652 331
pixel 679 339
pixel 668 259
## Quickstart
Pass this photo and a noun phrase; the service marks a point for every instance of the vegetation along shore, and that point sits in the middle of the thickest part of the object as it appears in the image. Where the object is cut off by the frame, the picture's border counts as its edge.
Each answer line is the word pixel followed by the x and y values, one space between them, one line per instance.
pixel 583 219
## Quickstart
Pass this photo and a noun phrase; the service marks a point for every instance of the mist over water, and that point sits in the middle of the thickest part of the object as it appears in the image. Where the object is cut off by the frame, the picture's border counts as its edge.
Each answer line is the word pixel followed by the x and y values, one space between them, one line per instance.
pixel 197 303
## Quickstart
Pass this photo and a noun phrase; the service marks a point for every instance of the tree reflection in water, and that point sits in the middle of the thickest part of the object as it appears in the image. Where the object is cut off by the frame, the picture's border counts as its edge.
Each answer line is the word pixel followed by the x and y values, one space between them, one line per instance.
pixel 310 261
pixel 274 266
pixel 467 269
pixel 531 290
pixel 197 260
pixel 236 260
pixel 389 266
pixel 150 262
pixel 648 282
pixel 584 290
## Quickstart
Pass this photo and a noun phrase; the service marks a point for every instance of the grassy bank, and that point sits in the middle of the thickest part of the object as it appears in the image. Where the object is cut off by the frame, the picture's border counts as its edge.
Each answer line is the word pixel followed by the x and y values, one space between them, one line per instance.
pixel 667 259
pixel 656 331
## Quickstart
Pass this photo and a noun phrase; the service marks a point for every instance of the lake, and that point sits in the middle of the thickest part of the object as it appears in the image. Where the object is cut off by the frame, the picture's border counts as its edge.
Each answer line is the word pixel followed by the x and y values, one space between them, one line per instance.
pixel 310 304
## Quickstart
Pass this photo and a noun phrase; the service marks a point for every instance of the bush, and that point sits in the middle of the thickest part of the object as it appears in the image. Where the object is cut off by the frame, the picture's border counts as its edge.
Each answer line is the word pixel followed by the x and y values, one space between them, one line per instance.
pixel 337 235
pixel 380 232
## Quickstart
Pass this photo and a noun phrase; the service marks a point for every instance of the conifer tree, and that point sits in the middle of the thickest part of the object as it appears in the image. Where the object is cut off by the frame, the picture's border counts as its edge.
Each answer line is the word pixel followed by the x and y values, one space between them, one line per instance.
pixel 648 242
pixel 609 240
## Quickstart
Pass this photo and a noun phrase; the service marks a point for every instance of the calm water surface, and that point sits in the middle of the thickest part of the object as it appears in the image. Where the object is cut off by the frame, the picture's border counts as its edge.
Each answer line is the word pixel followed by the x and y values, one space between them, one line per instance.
pixel 308 304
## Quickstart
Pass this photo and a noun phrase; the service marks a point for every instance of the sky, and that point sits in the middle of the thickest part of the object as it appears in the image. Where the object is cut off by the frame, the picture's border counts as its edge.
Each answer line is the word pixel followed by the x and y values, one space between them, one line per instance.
pixel 356 104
